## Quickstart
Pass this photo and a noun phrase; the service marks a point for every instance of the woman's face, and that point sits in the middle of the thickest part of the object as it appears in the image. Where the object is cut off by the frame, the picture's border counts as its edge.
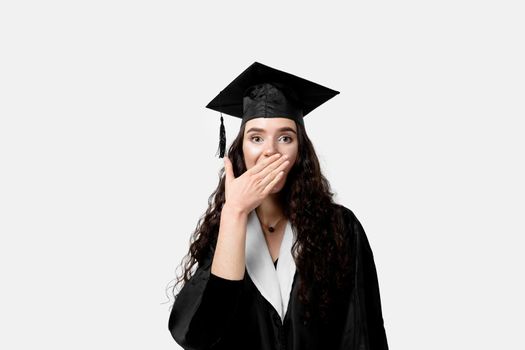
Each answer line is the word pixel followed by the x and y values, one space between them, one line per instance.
pixel 264 137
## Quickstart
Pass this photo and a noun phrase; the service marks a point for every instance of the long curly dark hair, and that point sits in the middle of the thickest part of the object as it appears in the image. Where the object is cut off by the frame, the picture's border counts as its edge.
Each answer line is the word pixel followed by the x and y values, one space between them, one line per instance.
pixel 321 250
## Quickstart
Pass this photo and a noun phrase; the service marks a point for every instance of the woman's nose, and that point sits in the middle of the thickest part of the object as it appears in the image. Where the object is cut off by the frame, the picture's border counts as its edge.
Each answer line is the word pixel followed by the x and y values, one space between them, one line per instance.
pixel 270 151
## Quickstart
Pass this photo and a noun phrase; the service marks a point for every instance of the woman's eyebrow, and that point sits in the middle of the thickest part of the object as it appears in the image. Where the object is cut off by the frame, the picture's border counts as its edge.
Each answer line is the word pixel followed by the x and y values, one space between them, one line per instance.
pixel 262 130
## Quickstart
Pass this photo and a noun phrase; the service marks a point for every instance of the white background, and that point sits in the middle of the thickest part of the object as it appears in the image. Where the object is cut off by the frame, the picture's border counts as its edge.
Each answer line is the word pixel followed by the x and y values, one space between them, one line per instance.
pixel 107 156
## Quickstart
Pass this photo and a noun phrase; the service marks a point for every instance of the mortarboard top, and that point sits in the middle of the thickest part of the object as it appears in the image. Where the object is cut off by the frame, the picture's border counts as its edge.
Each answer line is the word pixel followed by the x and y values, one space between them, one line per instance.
pixel 263 91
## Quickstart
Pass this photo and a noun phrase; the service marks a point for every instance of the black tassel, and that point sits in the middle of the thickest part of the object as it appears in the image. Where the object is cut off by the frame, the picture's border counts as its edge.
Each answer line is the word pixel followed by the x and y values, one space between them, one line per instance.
pixel 222 139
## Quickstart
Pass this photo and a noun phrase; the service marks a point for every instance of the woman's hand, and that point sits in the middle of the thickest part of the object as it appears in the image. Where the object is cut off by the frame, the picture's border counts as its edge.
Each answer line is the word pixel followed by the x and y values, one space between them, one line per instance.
pixel 246 192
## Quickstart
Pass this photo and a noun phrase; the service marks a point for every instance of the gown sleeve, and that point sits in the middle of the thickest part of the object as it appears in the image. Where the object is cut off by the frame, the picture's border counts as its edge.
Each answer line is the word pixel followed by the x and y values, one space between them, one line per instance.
pixel 204 308
pixel 364 327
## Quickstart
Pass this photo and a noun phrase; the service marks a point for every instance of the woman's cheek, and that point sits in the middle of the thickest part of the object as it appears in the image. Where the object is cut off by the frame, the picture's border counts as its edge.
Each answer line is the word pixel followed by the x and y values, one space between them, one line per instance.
pixel 250 156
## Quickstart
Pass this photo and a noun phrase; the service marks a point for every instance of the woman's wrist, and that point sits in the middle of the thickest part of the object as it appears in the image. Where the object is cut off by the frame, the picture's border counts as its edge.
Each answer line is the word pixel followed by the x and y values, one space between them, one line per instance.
pixel 228 209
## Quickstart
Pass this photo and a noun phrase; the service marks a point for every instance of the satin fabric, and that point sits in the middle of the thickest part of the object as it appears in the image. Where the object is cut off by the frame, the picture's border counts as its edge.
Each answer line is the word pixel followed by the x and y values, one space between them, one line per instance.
pixel 269 101
pixel 273 283
pixel 211 312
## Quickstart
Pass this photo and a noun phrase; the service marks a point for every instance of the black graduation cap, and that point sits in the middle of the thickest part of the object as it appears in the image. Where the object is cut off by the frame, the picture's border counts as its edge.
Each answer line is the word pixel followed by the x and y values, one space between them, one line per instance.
pixel 263 91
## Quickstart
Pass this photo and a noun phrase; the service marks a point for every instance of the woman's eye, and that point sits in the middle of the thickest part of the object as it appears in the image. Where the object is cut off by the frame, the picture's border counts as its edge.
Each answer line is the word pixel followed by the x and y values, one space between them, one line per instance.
pixel 255 138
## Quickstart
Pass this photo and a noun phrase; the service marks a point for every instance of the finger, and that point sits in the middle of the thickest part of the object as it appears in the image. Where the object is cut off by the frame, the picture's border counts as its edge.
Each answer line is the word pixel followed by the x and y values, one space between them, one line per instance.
pixel 280 164
pixel 258 167
pixel 228 170
pixel 271 174
pixel 272 184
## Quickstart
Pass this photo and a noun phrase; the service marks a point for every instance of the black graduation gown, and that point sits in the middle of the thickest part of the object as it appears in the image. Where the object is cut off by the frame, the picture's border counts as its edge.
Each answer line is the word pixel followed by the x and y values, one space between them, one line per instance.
pixel 211 312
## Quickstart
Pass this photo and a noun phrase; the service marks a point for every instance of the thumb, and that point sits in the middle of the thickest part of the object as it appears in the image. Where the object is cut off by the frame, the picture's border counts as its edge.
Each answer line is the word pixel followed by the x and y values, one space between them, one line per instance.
pixel 228 169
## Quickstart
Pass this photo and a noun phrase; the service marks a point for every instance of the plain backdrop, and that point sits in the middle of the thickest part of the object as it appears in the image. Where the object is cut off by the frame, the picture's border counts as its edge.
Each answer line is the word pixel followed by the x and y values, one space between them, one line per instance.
pixel 108 156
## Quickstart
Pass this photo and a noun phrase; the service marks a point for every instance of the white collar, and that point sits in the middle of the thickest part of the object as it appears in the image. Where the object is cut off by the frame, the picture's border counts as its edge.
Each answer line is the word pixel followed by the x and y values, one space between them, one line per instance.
pixel 274 284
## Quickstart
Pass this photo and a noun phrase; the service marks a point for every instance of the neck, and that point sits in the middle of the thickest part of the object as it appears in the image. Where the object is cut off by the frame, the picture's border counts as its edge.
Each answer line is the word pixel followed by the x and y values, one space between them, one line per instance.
pixel 270 210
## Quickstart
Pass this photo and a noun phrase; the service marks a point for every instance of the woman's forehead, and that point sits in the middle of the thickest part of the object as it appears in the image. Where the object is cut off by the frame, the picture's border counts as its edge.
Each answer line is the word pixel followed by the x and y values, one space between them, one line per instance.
pixel 269 124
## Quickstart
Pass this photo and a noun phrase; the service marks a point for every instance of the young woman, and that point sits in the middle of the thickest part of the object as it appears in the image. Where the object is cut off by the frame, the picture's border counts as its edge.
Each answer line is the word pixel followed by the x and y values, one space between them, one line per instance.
pixel 280 265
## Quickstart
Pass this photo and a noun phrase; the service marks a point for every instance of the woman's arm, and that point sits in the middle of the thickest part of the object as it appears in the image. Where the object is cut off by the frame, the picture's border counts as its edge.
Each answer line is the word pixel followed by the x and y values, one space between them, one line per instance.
pixel 229 258
pixel 206 305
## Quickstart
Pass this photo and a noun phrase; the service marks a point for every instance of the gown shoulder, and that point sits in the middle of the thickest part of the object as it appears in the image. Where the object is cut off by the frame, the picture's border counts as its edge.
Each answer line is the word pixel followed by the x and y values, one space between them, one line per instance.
pixel 364 315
